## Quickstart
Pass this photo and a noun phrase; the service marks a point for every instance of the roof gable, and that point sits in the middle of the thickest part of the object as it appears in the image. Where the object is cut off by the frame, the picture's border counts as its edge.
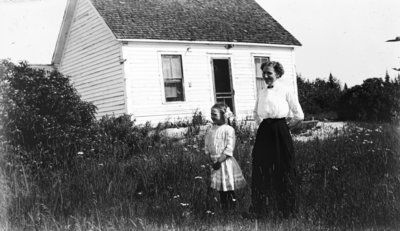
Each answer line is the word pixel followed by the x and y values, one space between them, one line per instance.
pixel 193 20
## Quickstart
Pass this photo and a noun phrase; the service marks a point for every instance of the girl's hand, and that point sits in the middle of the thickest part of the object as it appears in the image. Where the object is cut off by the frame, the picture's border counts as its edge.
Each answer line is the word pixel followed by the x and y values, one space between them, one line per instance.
pixel 216 165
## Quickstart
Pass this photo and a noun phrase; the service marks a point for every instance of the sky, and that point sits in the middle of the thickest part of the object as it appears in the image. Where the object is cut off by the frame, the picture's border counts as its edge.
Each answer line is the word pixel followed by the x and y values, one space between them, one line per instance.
pixel 344 37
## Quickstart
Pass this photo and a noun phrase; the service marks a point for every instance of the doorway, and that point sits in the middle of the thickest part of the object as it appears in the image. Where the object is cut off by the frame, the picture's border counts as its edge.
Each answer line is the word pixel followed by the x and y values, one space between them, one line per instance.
pixel 223 88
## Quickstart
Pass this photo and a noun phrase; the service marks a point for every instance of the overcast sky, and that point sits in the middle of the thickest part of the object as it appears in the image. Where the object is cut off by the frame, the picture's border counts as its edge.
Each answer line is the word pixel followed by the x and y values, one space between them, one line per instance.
pixel 342 37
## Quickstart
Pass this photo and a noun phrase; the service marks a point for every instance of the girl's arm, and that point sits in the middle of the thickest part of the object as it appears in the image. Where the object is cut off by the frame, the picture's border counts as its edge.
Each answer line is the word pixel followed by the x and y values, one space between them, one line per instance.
pixel 206 144
pixel 222 158
pixel 230 145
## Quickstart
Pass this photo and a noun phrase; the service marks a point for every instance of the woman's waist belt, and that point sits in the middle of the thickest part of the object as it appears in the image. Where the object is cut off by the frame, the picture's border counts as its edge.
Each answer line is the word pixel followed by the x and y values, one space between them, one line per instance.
pixel 271 120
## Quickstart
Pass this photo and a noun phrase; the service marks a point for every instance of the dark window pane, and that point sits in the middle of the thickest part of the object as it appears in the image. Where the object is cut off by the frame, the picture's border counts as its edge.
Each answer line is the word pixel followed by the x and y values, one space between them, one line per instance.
pixel 173 90
pixel 227 101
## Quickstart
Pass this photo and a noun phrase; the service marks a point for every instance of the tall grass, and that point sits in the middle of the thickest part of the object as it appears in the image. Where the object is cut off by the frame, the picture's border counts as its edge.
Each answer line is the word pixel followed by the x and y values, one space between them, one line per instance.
pixel 346 181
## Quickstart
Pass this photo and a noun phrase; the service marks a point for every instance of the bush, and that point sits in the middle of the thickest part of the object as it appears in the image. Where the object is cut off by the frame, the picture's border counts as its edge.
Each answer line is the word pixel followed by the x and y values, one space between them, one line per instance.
pixel 119 138
pixel 373 101
pixel 42 115
pixel 319 98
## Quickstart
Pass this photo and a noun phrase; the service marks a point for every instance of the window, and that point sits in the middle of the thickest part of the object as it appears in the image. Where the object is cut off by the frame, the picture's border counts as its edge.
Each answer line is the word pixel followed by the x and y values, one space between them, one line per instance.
pixel 258 60
pixel 173 77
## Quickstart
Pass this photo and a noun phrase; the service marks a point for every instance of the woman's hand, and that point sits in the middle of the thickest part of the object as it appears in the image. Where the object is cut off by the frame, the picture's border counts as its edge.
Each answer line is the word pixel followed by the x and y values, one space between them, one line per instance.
pixel 293 123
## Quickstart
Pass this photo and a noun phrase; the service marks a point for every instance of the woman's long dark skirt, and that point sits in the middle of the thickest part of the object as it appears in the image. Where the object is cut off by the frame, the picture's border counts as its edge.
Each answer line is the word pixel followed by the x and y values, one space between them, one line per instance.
pixel 273 175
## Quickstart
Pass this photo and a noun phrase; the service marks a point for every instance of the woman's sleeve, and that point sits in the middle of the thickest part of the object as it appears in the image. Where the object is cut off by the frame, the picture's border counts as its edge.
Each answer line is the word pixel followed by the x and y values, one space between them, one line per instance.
pixel 230 140
pixel 295 107
pixel 256 117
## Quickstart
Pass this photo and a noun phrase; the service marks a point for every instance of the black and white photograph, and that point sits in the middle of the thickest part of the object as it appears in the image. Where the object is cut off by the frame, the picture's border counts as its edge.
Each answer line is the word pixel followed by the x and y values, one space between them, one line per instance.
pixel 199 115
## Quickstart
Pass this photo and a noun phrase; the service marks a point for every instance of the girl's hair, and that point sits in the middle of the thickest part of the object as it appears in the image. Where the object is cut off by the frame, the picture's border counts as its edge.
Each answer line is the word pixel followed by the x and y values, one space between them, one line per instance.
pixel 278 68
pixel 225 112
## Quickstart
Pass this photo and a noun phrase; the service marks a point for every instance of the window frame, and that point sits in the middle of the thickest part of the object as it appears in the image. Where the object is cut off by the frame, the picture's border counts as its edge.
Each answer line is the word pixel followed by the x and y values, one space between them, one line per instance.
pixel 162 79
pixel 253 57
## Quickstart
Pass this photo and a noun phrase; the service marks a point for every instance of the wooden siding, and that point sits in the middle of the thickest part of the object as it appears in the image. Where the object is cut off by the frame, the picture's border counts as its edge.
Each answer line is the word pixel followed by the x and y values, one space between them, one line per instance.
pixel 144 82
pixel 91 58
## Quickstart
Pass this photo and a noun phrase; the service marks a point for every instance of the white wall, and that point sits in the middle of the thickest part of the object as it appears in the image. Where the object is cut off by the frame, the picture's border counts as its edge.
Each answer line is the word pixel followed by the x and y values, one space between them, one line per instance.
pixel 92 59
pixel 144 82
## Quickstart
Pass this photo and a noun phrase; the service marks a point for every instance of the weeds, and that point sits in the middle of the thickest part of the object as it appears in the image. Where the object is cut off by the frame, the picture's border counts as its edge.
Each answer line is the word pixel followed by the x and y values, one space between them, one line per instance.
pixel 348 180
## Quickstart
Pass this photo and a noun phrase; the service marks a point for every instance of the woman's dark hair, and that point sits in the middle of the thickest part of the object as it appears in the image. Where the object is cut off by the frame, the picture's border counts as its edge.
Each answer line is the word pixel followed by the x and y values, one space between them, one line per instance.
pixel 278 68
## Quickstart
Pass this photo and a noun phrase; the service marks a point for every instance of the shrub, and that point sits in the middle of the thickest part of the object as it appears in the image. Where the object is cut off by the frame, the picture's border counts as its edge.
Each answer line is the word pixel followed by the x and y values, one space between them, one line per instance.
pixel 119 138
pixel 319 98
pixel 373 101
pixel 42 115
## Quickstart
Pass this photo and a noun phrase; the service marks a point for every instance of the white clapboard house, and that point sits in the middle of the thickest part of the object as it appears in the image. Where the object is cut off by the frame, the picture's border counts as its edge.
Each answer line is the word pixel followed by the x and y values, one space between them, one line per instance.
pixel 164 59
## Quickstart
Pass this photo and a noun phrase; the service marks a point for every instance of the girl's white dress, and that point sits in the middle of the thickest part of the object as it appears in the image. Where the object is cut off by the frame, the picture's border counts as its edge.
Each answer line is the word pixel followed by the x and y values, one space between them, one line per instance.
pixel 221 139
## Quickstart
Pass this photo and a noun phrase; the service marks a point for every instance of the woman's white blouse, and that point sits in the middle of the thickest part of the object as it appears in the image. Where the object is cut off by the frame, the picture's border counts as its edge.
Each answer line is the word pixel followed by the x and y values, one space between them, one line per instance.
pixel 277 102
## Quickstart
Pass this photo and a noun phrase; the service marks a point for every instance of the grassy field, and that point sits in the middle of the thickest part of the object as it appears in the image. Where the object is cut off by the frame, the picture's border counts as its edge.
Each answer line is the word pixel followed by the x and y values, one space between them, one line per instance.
pixel 348 180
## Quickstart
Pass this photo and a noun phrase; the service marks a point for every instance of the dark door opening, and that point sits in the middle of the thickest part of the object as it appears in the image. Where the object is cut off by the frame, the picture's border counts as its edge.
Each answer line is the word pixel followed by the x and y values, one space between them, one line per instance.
pixel 224 92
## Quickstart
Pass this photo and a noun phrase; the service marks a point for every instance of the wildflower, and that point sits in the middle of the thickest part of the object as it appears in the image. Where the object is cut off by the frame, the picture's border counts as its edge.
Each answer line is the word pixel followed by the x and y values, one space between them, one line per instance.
pixel 139 193
pixel 203 166
pixel 184 204
pixel 335 168
pixel 186 213
pixel 198 177
pixel 101 164
pixel 80 153
pixel 176 196
pixel 209 212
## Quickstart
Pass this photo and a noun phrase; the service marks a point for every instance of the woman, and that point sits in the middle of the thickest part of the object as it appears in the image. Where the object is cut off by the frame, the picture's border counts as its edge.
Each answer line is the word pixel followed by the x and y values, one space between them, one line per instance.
pixel 273 174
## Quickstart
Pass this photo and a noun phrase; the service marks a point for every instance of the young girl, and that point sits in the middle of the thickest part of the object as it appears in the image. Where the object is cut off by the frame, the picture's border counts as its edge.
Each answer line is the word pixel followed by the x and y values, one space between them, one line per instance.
pixel 226 175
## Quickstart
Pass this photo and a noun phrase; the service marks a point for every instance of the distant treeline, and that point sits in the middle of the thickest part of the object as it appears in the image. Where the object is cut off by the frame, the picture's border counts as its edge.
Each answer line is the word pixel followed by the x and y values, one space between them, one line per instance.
pixel 375 100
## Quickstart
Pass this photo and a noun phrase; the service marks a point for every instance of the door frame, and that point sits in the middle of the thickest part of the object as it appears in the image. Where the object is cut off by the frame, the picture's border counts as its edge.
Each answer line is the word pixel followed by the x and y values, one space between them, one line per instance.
pixel 228 58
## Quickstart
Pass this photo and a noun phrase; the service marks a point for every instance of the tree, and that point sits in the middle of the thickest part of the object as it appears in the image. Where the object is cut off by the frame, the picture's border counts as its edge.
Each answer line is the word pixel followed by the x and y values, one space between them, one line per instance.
pixel 387 77
pixel 373 101
pixel 319 96
pixel 345 88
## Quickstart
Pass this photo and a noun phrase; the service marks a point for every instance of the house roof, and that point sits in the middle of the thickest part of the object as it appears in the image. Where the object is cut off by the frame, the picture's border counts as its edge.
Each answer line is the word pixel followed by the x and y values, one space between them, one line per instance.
pixel 193 20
